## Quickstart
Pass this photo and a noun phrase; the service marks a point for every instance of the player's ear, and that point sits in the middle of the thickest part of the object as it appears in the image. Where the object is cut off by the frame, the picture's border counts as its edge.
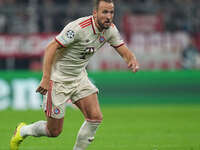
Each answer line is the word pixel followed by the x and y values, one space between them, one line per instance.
pixel 95 13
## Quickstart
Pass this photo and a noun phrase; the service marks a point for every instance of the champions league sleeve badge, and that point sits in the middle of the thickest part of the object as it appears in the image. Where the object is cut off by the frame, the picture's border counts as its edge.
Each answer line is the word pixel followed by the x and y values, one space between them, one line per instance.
pixel 70 34
pixel 101 39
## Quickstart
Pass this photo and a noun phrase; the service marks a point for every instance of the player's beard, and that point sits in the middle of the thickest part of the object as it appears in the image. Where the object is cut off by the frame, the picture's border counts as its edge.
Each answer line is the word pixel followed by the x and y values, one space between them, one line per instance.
pixel 102 26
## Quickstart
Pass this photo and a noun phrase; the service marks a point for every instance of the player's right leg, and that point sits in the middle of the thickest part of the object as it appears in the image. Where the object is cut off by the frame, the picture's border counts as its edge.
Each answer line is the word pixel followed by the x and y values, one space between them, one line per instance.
pixel 50 128
pixel 16 138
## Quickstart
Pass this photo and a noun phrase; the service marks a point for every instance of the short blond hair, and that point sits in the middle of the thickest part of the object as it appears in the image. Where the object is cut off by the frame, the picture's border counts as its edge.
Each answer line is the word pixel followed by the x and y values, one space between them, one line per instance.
pixel 96 3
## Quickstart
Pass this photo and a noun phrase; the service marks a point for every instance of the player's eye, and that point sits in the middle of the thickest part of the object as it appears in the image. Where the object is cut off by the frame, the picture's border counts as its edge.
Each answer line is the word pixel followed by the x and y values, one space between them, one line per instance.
pixel 105 12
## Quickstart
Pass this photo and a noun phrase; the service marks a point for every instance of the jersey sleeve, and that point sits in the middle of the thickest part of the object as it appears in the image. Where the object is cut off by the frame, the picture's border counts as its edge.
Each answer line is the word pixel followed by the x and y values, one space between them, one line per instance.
pixel 68 35
pixel 115 40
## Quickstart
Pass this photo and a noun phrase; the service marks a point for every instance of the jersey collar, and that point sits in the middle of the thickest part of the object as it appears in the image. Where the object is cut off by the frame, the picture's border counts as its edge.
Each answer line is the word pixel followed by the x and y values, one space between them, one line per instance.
pixel 94 27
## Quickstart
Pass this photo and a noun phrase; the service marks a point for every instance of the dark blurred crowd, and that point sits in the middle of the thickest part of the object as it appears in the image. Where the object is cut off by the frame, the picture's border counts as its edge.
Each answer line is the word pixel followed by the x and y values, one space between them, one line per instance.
pixel 32 16
pixel 50 16
pixel 178 14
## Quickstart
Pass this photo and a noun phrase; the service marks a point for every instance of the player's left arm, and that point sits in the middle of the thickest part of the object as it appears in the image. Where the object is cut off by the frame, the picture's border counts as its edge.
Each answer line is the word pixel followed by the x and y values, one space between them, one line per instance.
pixel 128 57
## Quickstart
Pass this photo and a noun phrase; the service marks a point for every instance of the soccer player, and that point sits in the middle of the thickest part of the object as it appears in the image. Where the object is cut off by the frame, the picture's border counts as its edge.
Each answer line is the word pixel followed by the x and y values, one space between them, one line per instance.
pixel 65 77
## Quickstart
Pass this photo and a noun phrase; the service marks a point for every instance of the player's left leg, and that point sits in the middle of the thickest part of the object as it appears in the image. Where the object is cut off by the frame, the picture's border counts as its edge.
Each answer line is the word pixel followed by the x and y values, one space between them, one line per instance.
pixel 93 117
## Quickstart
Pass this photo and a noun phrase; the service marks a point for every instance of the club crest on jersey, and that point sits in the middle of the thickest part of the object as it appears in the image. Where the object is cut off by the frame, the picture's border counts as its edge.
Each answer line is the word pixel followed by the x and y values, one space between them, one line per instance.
pixel 70 34
pixel 56 111
pixel 101 39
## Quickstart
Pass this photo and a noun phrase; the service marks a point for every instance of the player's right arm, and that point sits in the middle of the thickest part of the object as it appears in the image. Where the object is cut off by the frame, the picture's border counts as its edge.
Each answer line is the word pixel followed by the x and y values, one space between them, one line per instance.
pixel 66 37
pixel 49 54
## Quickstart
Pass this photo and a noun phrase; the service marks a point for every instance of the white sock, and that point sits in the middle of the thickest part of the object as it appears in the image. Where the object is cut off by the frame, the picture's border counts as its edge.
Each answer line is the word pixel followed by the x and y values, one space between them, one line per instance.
pixel 36 129
pixel 85 135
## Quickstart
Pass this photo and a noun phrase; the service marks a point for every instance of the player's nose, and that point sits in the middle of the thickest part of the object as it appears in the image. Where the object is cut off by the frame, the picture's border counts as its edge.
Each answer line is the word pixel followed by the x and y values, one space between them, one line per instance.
pixel 109 16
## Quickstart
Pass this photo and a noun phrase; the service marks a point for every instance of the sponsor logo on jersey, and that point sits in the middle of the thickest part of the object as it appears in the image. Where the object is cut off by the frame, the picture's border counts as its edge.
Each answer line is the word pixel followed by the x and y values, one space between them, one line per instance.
pixel 70 34
pixel 87 52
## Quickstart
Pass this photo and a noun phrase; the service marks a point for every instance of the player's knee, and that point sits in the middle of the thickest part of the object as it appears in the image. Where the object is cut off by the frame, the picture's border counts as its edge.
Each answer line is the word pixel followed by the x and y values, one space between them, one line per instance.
pixel 55 132
pixel 95 118
pixel 99 118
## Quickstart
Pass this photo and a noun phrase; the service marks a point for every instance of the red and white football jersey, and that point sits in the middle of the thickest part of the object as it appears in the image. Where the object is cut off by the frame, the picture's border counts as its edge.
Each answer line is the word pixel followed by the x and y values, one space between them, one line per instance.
pixel 80 40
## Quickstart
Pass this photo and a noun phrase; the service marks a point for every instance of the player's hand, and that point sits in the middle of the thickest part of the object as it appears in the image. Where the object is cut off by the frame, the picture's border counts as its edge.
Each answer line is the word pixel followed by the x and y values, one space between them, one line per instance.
pixel 133 65
pixel 43 87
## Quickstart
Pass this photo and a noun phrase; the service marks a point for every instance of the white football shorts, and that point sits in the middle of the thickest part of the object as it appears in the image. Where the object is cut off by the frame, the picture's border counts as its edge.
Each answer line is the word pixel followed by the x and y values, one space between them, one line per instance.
pixel 54 102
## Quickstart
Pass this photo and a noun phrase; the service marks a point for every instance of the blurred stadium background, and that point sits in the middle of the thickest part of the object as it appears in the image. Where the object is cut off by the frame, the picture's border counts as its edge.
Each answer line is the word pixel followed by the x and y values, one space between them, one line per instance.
pixel 159 105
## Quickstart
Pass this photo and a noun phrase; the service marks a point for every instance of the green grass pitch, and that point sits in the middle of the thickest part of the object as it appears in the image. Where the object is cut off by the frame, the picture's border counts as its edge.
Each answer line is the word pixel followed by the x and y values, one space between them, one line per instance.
pixel 140 127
